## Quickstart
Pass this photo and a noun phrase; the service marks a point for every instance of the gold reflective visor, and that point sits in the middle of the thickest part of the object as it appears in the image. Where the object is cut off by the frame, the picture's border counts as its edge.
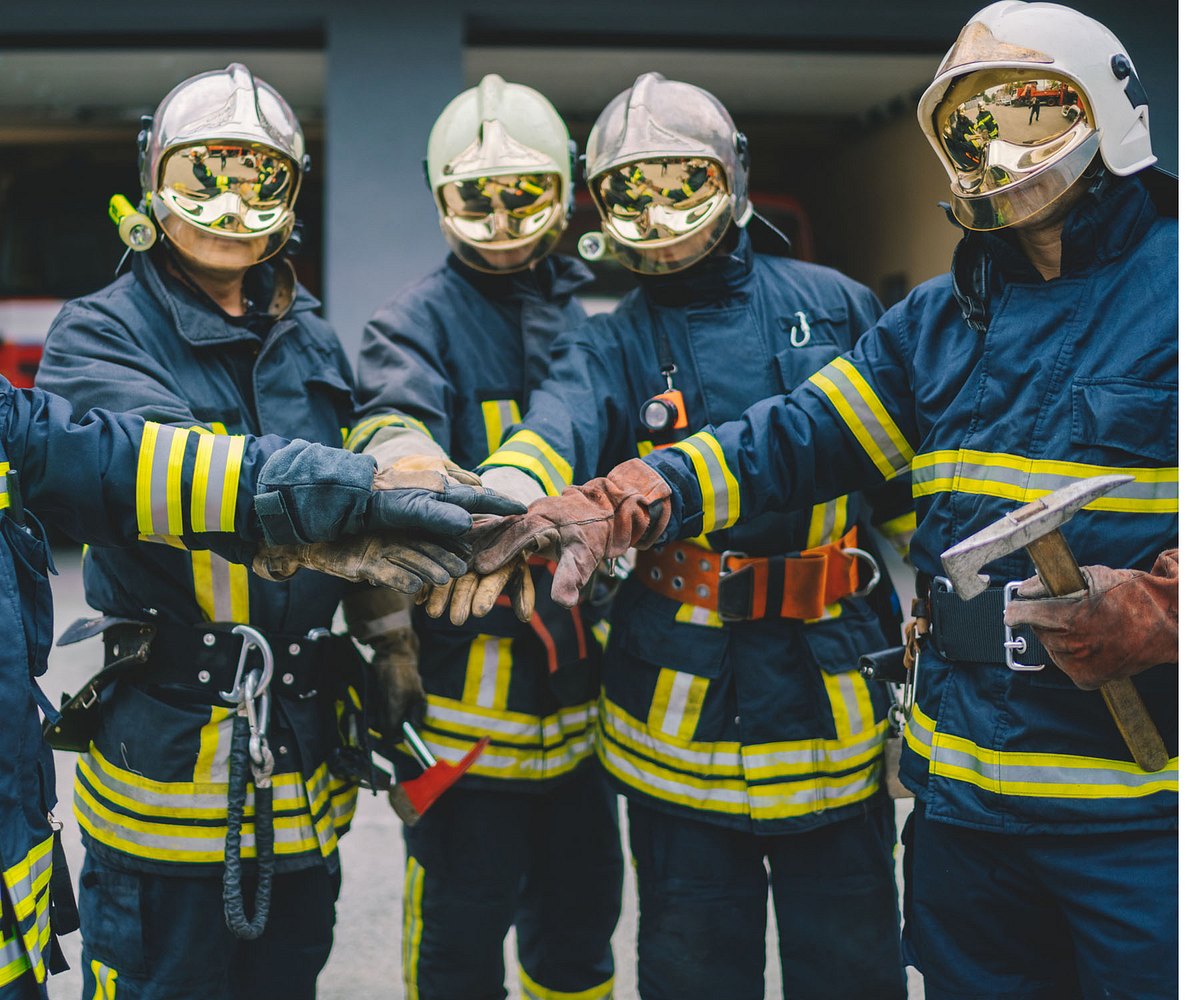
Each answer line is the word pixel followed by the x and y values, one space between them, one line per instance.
pixel 229 188
pixel 996 134
pixel 660 199
pixel 501 208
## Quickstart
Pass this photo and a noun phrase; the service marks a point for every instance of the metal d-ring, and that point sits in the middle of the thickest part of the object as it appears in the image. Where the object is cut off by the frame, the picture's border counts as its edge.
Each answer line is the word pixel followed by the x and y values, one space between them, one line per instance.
pixel 876 572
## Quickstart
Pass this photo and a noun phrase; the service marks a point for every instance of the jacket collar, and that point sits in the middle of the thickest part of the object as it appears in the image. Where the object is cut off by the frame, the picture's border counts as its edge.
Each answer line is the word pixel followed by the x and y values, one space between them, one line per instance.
pixel 554 278
pixel 201 321
pixel 716 277
pixel 1104 226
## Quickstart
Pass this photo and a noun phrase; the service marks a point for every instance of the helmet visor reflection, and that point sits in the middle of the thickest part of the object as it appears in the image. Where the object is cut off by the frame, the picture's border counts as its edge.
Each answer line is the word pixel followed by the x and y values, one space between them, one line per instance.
pixel 502 208
pixel 662 199
pixel 997 133
pixel 232 189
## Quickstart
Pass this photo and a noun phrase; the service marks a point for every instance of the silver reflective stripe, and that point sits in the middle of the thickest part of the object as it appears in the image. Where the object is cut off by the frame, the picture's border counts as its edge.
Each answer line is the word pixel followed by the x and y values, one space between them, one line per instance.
pixel 655 778
pixel 13 960
pixel 845 683
pixel 825 754
pixel 512 726
pixel 159 501
pixel 818 790
pixel 1002 773
pixel 703 762
pixel 222 589
pixel 489 673
pixel 215 488
pixel 716 473
pixel 376 628
pixel 516 763
pixel 521 447
pixel 957 470
pixel 22 890
pixel 860 417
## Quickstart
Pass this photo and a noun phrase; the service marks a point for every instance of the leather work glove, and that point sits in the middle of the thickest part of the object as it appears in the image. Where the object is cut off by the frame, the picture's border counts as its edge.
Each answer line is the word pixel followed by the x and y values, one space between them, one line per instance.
pixel 1125 622
pixel 475 594
pixel 392 560
pixel 430 495
pixel 598 520
pixel 382 620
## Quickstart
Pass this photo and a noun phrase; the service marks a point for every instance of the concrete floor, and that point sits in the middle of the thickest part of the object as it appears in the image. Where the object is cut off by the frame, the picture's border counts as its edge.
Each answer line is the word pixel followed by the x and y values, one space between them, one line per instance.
pixel 365 963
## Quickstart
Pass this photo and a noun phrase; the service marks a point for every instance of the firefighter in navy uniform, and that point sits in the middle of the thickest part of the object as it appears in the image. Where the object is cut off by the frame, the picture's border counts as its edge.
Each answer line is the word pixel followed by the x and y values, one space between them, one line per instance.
pixel 209 331
pixel 530 836
pixel 1042 861
pixel 87 480
pixel 740 731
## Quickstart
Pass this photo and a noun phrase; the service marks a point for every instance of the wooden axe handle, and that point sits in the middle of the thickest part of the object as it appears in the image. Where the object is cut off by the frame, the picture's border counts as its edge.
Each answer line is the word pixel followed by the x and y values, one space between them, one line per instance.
pixel 1061 575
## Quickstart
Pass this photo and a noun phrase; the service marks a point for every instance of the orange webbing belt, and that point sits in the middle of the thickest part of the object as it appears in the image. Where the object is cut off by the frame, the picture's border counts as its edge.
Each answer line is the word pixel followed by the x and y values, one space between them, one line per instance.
pixel 800 585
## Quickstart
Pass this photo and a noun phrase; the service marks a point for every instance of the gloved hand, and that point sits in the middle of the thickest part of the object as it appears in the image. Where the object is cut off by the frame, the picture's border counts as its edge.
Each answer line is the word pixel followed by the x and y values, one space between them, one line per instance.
pixel 599 520
pixel 1125 622
pixel 476 593
pixel 382 619
pixel 386 560
pixel 431 495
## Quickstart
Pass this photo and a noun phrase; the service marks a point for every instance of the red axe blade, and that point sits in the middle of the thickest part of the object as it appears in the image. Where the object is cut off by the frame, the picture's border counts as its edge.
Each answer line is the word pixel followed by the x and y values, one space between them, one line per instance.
pixel 412 799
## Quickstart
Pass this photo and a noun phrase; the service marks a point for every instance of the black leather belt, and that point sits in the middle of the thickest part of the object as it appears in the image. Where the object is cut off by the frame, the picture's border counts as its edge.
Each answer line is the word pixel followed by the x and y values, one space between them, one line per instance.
pixel 974 632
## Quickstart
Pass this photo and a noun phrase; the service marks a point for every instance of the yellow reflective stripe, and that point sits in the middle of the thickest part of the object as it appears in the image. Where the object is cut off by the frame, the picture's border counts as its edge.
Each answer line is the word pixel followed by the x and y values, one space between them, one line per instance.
pixel 719 490
pixel 528 450
pixel 1015 477
pixel 179 440
pixel 222 588
pixel 675 707
pixel 850 702
pixel 644 448
pixel 690 614
pixel 828 522
pixel 172 541
pixel 863 413
pixel 4 502
pixel 28 877
pixel 467 719
pixel 499 415
pixel 362 432
pixel 489 671
pixel 785 799
pixel 216 740
pixel 229 491
pixel 414 924
pixel 14 963
pixel 729 797
pixel 145 469
pixel 1036 775
pixel 499 761
pixel 905 524
pixel 204 452
pixel 601 632
pixel 106 981
pixel 535 991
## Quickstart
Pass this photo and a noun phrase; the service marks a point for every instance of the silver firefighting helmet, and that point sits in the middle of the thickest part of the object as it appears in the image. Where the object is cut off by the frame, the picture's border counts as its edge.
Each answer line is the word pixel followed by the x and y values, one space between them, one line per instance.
pixel 668 170
pixel 223 158
pixel 499 165
pixel 1022 103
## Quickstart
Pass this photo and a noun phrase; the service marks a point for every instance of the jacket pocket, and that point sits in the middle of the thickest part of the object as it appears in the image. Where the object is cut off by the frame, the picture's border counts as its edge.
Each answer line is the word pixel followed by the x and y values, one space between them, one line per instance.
pixel 32 564
pixel 835 644
pixel 1126 414
pixel 110 908
pixel 812 340
pixel 650 633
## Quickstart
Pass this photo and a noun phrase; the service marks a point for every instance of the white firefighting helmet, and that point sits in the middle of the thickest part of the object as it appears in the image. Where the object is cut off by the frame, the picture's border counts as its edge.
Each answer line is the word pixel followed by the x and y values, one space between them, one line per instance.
pixel 668 170
pixel 223 157
pixel 499 165
pixel 1022 103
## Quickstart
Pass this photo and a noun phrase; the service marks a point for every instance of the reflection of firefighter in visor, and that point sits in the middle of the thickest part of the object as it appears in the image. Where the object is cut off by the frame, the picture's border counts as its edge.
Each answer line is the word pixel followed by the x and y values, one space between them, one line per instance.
pixel 986 125
pixel 962 143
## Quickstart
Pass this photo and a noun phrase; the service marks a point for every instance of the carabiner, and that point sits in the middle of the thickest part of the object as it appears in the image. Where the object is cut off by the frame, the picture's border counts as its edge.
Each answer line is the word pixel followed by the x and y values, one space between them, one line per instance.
pixel 804 327
pixel 258 715
pixel 252 638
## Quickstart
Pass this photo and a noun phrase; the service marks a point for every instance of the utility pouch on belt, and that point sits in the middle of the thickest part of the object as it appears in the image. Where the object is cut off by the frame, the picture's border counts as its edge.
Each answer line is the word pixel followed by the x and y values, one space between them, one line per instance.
pixel 125 654
pixel 974 632
pixel 749 588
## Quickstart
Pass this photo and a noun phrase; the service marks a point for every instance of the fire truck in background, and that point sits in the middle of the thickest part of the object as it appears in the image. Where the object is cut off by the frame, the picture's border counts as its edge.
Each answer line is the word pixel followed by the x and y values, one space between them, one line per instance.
pixel 1028 93
pixel 23 326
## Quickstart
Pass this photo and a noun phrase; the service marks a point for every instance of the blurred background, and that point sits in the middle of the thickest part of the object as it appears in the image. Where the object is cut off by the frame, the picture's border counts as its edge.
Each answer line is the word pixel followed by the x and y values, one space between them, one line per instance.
pixel 825 91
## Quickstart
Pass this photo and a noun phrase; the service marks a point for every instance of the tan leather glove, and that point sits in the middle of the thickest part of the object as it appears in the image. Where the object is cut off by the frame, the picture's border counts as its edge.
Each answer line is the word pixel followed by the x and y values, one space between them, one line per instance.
pixel 382 619
pixel 475 594
pixel 1125 622
pixel 432 495
pixel 387 560
pixel 599 520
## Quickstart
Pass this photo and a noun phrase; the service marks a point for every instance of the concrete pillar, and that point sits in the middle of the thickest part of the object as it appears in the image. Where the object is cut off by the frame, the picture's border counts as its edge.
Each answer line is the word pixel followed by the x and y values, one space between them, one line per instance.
pixel 392 67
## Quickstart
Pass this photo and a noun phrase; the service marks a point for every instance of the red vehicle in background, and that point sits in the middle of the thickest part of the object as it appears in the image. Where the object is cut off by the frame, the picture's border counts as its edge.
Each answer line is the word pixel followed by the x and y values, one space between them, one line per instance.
pixel 1028 93
pixel 23 326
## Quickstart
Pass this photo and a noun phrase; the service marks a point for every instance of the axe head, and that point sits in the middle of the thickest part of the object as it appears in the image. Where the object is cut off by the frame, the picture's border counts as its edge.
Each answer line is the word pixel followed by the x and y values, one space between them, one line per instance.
pixel 963 562
pixel 412 799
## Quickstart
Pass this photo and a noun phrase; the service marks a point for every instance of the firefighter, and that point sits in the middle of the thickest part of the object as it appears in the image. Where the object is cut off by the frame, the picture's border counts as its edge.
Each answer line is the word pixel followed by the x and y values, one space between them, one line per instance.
pixel 530 836
pixel 86 480
pixel 1041 861
pixel 209 331
pixel 736 724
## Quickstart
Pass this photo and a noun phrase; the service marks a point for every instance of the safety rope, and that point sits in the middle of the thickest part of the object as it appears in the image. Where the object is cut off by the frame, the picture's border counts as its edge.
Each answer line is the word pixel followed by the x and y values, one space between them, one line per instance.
pixel 264 833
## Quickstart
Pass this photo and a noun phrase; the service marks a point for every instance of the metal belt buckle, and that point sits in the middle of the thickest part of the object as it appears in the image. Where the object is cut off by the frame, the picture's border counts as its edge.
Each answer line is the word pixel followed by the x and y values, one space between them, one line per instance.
pixel 1016 643
pixel 876 573
pixel 723 567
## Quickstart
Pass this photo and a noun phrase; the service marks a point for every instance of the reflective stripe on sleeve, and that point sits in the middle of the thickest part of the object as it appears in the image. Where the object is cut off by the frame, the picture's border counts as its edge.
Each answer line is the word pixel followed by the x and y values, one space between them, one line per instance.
pixel 528 450
pixel 499 417
pixel 212 477
pixel 4 502
pixel 719 489
pixel 1014 477
pixel 1036 775
pixel 865 416
pixel 361 433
